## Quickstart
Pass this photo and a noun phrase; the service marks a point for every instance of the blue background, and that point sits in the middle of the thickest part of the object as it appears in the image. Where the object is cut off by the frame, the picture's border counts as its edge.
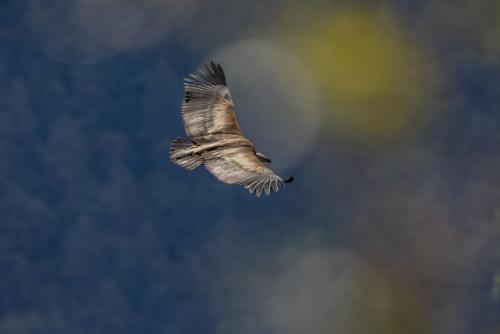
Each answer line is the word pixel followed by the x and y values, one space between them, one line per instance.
pixel 101 233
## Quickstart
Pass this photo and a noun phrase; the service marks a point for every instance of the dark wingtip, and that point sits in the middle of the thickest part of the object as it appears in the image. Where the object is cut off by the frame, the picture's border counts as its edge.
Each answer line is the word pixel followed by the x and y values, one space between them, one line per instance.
pixel 210 73
pixel 217 72
pixel 289 180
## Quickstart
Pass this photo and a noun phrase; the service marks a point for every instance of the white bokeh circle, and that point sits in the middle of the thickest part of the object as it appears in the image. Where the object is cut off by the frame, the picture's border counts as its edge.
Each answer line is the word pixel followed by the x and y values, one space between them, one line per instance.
pixel 275 99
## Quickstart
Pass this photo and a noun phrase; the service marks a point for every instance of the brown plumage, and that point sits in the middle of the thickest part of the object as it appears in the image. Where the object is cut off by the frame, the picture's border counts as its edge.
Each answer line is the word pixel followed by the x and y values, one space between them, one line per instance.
pixel 214 136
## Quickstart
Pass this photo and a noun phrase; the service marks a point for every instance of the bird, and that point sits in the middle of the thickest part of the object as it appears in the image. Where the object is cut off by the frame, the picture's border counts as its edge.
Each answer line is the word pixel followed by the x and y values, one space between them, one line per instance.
pixel 214 138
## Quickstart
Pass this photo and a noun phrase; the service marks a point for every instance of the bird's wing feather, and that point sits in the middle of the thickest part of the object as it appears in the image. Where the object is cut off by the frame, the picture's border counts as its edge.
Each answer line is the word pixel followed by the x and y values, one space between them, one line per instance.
pixel 241 166
pixel 207 107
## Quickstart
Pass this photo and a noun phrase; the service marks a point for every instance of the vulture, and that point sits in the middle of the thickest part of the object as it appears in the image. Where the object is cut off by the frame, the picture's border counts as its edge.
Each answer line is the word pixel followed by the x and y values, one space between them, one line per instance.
pixel 214 137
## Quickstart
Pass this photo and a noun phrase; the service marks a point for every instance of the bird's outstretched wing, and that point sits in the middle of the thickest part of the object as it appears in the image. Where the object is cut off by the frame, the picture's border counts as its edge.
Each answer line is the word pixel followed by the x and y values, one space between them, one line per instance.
pixel 240 165
pixel 207 107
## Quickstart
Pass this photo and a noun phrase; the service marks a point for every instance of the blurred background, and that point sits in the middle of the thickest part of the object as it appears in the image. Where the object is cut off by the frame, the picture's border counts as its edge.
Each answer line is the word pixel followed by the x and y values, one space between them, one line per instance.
pixel 386 112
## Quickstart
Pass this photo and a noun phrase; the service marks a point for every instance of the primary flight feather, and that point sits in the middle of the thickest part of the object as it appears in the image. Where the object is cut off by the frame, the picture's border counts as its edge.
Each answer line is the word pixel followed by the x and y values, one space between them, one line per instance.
pixel 214 137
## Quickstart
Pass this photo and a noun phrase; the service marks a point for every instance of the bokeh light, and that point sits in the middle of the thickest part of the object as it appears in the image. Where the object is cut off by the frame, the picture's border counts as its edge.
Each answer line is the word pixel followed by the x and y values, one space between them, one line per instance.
pixel 378 83
pixel 275 98
pixel 84 31
pixel 56 29
pixel 129 24
pixel 316 290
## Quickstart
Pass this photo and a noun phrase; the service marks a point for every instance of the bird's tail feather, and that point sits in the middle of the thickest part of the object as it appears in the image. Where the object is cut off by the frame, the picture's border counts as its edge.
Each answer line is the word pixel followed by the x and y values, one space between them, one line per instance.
pixel 181 153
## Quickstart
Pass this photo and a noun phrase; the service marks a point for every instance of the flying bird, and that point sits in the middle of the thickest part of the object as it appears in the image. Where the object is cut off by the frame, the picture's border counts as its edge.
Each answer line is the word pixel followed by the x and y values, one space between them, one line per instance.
pixel 214 137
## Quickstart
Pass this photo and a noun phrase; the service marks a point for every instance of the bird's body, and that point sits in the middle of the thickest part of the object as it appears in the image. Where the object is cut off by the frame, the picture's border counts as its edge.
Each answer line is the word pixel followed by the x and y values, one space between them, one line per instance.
pixel 214 136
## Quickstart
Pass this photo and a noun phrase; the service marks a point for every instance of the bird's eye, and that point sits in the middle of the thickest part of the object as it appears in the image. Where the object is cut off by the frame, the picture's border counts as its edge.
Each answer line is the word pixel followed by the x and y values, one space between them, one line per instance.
pixel 227 97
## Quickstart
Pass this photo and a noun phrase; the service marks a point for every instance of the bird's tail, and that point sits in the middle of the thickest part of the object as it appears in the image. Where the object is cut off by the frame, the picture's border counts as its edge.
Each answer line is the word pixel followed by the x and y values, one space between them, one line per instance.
pixel 181 153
